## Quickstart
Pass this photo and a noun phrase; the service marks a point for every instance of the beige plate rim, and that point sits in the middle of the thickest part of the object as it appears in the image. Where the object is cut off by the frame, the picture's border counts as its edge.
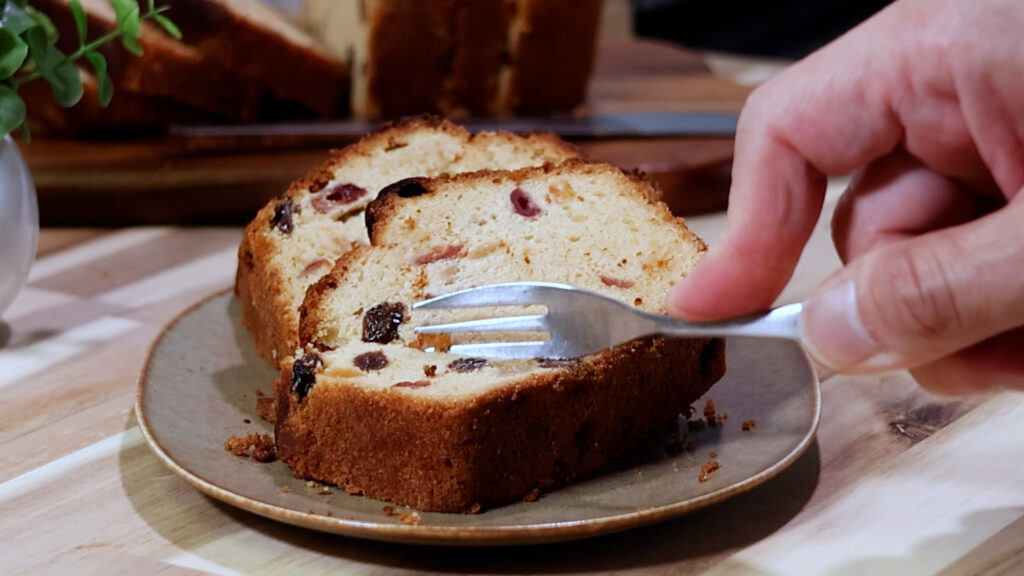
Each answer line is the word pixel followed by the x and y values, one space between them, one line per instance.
pixel 448 535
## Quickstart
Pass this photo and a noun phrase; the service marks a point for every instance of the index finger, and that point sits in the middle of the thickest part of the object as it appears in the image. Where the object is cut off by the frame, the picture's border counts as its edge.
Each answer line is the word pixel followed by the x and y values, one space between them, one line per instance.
pixel 809 122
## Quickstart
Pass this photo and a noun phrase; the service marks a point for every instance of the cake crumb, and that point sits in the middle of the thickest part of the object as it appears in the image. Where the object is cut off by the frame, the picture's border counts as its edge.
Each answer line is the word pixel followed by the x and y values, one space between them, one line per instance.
pixel 266 408
pixel 532 496
pixel 259 447
pixel 285 490
pixel 410 518
pixel 247 421
pixel 390 511
pixel 323 490
pixel 430 370
pixel 706 469
pixel 748 425
pixel 712 454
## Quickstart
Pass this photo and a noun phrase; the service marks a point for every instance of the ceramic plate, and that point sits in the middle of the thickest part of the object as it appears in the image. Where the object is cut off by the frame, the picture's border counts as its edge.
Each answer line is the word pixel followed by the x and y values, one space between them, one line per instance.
pixel 198 388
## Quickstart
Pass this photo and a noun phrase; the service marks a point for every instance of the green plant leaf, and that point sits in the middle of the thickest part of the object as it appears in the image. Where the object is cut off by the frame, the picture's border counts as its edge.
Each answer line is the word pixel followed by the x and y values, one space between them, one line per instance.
pixel 66 84
pixel 128 24
pixel 12 110
pixel 105 86
pixel 16 20
pixel 172 30
pixel 44 54
pixel 13 52
pixel 81 22
pixel 44 21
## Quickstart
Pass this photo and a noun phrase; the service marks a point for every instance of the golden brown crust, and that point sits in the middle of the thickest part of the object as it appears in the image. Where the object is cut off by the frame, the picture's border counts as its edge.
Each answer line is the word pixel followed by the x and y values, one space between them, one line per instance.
pixel 127 114
pixel 308 317
pixel 552 62
pixel 409 46
pixel 301 72
pixel 479 31
pixel 265 311
pixel 545 431
pixel 169 69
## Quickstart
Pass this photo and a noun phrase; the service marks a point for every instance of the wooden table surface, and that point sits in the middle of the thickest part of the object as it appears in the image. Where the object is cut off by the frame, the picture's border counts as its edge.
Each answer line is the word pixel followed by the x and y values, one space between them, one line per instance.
pixel 897 482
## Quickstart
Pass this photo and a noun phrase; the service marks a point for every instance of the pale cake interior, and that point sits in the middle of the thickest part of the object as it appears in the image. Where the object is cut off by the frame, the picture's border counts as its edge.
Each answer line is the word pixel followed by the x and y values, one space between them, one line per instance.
pixel 594 227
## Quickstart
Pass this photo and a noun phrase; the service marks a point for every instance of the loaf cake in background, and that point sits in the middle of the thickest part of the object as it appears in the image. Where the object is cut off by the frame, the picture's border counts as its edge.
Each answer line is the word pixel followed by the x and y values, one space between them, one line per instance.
pixel 295 239
pixel 462 57
pixel 238 60
pixel 364 407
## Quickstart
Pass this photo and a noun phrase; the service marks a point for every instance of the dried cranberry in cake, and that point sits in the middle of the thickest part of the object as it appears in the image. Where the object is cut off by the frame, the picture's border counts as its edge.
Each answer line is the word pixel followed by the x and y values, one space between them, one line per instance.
pixel 304 374
pixel 523 204
pixel 282 219
pixel 616 282
pixel 380 324
pixel 370 361
pixel 340 194
pixel 467 364
pixel 438 253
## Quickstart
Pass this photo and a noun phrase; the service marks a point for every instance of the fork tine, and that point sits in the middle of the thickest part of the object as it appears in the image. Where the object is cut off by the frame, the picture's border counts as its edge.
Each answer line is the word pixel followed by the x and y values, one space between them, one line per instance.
pixel 534 322
pixel 505 294
pixel 503 350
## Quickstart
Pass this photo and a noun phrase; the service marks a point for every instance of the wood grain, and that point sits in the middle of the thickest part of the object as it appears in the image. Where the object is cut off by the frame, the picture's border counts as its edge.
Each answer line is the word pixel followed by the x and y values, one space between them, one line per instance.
pixel 899 481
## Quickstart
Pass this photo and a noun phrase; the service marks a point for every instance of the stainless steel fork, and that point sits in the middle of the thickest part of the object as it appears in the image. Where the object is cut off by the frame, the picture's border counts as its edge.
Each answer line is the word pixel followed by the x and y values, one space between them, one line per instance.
pixel 579 322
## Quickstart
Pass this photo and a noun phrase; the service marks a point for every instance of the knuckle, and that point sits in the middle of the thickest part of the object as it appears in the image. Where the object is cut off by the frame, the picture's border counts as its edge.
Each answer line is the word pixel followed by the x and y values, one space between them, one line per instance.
pixel 914 297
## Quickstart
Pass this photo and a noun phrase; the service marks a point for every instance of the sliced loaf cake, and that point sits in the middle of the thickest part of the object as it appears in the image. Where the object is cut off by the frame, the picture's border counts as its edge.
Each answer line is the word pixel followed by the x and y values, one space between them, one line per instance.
pixel 295 239
pixel 364 407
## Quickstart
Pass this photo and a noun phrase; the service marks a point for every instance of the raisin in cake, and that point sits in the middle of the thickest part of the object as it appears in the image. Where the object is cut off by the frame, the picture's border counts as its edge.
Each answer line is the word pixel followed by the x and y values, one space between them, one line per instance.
pixel 294 239
pixel 367 409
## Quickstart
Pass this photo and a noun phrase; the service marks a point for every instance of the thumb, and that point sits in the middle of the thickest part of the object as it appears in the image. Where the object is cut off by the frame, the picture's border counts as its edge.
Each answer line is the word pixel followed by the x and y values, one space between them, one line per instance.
pixel 915 300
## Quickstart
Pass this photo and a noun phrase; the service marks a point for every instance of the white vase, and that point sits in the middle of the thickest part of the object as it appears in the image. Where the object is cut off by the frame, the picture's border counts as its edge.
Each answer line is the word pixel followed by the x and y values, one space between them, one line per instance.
pixel 19 222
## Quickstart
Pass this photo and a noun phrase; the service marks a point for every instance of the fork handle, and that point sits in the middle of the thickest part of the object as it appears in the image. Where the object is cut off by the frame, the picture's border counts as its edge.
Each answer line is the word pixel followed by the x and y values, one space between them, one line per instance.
pixel 781 322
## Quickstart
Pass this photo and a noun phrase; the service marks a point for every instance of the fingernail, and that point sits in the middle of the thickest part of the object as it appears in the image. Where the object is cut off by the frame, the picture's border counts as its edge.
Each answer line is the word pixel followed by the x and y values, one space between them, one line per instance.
pixel 832 330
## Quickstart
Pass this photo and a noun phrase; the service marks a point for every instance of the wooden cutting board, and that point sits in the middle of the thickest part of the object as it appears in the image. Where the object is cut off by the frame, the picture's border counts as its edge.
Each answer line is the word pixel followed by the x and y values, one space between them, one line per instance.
pixel 177 180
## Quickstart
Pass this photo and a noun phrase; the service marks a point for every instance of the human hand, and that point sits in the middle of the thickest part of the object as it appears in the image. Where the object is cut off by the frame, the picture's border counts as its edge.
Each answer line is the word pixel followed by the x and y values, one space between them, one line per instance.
pixel 924 102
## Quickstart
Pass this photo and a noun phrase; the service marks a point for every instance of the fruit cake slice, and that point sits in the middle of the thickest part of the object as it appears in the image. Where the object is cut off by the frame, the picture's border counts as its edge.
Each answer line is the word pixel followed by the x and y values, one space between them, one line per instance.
pixel 295 238
pixel 367 409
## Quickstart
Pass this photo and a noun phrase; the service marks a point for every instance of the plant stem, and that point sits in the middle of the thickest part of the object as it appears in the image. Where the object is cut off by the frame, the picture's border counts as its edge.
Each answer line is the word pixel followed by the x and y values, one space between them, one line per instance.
pixel 85 48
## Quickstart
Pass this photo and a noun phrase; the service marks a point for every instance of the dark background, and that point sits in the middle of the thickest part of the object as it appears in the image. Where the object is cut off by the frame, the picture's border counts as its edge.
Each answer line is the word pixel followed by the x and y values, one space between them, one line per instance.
pixel 780 28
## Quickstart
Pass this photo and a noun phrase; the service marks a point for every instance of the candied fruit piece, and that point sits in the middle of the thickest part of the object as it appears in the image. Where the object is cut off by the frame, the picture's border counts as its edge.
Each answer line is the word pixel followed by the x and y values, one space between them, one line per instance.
pixel 437 253
pixel 416 384
pixel 616 282
pixel 380 324
pixel 315 265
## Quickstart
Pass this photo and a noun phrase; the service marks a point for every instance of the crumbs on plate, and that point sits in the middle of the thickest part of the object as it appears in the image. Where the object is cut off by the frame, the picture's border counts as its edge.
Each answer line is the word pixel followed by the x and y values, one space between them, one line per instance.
pixel 259 447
